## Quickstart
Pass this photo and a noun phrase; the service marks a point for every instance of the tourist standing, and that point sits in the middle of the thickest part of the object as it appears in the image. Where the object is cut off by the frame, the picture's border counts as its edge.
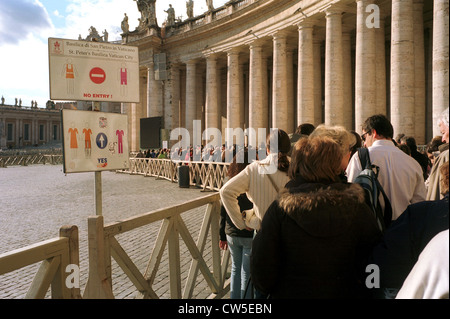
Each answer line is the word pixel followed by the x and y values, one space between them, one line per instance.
pixel 399 174
pixel 315 239
pixel 261 181
pixel 238 241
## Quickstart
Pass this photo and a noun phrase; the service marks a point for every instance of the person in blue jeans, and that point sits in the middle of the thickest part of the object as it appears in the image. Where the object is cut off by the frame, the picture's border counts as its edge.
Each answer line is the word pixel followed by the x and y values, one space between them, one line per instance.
pixel 238 241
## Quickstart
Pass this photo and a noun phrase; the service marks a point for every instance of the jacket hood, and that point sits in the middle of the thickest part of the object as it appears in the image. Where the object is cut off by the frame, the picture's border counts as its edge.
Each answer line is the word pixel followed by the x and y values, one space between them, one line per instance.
pixel 322 210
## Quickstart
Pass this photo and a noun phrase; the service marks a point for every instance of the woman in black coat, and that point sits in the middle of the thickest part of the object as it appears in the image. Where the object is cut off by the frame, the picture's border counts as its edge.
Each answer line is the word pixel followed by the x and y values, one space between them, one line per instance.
pixel 316 237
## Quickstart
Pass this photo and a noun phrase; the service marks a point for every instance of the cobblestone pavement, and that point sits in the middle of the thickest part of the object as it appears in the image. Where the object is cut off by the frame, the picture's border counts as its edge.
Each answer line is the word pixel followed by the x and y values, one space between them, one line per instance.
pixel 37 200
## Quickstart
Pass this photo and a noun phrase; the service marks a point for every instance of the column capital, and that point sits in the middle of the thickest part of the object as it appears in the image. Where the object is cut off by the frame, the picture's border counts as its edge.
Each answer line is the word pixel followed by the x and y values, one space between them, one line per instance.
pixel 258 43
pixel 190 61
pixel 280 34
pixel 234 50
pixel 211 55
pixel 333 9
pixel 305 24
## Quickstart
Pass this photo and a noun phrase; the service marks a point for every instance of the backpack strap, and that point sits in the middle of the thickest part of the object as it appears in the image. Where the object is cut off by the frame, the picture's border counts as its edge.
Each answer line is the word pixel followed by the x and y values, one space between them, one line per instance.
pixel 271 180
pixel 364 158
pixel 387 214
pixel 273 183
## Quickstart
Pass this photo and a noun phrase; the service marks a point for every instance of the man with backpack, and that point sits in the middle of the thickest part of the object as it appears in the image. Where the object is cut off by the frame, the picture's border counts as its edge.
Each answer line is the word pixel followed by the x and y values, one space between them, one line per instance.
pixel 399 175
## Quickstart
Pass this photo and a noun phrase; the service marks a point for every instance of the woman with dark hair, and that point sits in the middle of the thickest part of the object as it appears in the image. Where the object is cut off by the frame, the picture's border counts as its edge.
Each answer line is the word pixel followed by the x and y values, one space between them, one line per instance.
pixel 316 237
pixel 238 241
pixel 261 181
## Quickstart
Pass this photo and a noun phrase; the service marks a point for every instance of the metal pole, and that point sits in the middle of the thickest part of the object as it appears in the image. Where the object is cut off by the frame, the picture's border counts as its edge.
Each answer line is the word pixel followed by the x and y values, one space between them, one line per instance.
pixel 98 193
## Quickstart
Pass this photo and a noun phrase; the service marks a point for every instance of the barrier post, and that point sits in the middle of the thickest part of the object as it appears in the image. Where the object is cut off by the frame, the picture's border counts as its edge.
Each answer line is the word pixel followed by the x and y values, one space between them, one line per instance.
pixel 99 285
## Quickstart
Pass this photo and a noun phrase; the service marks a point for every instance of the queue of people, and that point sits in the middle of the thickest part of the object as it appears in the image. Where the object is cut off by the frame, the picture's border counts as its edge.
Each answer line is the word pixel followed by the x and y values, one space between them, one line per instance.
pixel 314 235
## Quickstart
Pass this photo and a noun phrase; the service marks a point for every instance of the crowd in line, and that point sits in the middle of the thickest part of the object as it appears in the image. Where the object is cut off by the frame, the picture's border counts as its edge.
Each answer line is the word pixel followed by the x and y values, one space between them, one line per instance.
pixel 210 153
pixel 306 231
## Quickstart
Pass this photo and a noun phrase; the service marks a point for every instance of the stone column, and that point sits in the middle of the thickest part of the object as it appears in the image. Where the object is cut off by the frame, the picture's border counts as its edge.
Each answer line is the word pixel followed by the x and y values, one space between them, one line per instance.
pixel 33 131
pixel 440 61
pixel 212 118
pixel 365 67
pixel 305 84
pixel 290 128
pixel 176 96
pixel 17 135
pixel 279 87
pixel 191 95
pixel 48 131
pixel 258 95
pixel 347 108
pixel 243 93
pixel 419 76
pixel 234 83
pixel 135 127
pixel 201 96
pixel 154 97
pixel 172 99
pixel 402 67
pixel 380 61
pixel 317 57
pixel 3 132
pixel 334 98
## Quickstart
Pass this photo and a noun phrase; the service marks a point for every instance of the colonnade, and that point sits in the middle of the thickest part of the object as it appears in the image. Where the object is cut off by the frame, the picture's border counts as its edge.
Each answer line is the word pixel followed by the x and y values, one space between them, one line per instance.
pixel 25 129
pixel 322 69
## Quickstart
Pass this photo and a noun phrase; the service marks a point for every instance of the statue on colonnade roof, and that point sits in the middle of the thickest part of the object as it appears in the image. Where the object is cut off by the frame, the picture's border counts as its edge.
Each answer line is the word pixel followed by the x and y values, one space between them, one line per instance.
pixel 148 13
pixel 93 35
pixel 209 4
pixel 190 9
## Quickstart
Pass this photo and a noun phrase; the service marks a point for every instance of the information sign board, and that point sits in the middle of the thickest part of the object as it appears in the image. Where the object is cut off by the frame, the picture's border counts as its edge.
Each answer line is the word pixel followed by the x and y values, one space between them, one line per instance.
pixel 93 71
pixel 94 141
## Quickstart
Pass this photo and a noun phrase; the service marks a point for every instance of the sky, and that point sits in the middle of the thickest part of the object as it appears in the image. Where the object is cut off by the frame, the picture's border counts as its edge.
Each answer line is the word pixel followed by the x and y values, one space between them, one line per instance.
pixel 26 25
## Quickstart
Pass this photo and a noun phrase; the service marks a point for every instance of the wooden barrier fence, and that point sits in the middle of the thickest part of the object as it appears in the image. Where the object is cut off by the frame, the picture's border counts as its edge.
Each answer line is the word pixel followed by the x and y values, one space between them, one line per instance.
pixel 103 246
pixel 30 159
pixel 55 255
pixel 207 175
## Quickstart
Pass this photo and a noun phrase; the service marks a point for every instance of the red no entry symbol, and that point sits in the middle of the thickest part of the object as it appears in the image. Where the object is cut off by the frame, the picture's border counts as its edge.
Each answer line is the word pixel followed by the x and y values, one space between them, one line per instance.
pixel 97 75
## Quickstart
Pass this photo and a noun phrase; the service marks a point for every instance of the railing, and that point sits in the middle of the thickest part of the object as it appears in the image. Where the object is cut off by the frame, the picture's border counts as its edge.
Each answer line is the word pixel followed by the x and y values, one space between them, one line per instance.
pixel 207 175
pixel 55 254
pixel 58 253
pixel 31 159
pixel 103 246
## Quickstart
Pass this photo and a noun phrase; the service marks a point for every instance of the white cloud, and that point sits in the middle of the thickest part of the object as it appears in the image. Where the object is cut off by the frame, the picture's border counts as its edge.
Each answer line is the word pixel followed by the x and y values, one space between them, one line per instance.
pixel 25 71
pixel 57 14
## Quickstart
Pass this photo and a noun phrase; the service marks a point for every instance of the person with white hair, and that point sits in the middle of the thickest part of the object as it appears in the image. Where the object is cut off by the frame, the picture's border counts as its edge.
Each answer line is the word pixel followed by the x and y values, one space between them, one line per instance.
pixel 433 191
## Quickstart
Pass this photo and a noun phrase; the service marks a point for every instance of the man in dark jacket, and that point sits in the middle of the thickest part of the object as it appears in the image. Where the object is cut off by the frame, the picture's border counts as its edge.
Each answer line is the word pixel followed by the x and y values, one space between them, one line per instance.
pixel 407 236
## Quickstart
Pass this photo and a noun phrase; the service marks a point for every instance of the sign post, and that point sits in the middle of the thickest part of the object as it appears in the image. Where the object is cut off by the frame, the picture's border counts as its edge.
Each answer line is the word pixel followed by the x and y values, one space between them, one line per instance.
pixel 100 72
pixel 98 193
pixel 94 142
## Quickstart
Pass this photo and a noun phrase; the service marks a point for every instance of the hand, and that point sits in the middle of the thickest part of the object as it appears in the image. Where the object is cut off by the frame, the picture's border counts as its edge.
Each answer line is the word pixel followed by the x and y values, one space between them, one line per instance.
pixel 223 244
